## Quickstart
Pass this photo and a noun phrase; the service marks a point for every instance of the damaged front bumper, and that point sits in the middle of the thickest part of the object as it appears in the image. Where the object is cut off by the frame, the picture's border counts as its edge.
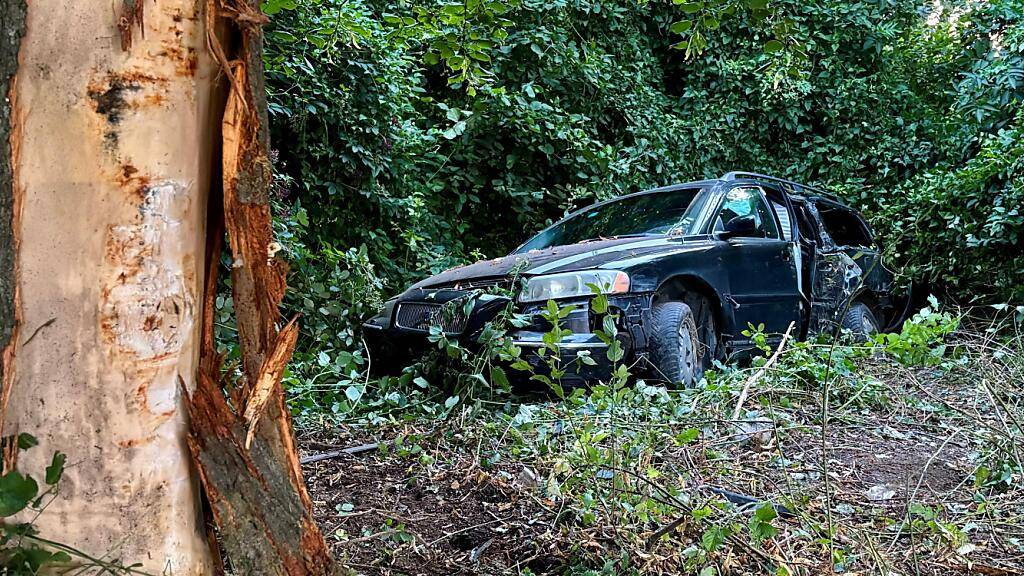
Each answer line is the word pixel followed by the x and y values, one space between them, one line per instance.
pixel 398 336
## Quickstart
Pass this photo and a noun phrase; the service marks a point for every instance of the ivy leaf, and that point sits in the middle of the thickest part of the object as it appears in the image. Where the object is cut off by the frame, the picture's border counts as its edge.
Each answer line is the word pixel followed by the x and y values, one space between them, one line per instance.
pixel 353 393
pixel 772 46
pixel 55 470
pixel 16 491
pixel 691 7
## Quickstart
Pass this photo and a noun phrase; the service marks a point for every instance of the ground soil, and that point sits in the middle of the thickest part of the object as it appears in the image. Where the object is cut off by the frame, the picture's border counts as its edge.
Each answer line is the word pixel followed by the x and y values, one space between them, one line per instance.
pixel 438 510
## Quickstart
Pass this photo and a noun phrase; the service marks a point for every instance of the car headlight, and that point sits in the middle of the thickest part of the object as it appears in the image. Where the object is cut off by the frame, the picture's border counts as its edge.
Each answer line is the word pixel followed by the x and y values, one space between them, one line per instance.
pixel 573 284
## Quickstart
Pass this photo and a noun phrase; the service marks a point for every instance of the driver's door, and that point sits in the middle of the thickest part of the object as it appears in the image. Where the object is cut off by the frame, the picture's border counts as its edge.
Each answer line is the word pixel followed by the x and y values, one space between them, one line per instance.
pixel 760 264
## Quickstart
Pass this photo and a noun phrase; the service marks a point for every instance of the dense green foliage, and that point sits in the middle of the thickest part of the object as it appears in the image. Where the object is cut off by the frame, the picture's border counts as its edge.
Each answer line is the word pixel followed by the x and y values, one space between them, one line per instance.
pixel 417 135
pixel 909 111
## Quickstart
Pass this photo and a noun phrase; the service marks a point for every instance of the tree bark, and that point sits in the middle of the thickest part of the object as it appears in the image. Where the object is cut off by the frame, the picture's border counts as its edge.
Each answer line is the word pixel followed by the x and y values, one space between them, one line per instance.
pixel 112 129
pixel 12 27
pixel 244 448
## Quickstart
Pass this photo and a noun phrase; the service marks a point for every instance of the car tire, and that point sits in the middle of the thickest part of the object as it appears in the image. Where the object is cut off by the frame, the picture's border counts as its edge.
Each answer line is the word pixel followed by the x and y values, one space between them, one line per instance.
pixel 860 321
pixel 678 352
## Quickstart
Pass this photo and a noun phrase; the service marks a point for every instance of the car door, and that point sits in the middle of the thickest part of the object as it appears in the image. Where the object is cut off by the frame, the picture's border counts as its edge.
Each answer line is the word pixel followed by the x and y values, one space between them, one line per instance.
pixel 763 274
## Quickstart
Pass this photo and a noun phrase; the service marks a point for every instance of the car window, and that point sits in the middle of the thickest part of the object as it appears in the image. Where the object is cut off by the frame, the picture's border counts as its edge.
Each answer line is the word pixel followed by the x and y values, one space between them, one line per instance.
pixel 671 212
pixel 845 228
pixel 740 202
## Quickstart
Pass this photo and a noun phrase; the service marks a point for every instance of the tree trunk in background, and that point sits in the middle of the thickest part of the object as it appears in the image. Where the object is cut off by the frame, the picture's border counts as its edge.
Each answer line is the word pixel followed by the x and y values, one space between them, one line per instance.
pixel 112 133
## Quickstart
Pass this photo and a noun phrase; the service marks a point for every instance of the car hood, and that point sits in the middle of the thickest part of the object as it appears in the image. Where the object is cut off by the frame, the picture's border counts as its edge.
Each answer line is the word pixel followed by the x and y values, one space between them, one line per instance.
pixel 583 256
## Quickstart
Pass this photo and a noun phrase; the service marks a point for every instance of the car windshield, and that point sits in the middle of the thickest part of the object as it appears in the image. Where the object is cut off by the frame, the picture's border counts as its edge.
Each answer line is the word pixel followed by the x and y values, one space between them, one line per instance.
pixel 655 213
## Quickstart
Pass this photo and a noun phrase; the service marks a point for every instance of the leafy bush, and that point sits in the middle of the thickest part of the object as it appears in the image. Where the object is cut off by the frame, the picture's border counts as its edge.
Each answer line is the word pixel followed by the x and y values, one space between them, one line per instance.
pixel 415 137
pixel 434 136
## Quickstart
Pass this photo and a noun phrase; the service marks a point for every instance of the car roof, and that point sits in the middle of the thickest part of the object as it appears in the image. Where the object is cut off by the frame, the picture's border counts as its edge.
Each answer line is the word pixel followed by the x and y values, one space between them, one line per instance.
pixel 789 187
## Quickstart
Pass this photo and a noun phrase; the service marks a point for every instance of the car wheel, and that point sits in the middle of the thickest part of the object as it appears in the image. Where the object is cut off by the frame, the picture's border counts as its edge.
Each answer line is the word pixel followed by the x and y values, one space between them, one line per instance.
pixel 860 321
pixel 679 350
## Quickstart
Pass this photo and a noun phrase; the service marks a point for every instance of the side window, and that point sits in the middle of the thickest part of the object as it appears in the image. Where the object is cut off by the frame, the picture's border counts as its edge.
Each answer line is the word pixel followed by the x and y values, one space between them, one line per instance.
pixel 845 228
pixel 740 202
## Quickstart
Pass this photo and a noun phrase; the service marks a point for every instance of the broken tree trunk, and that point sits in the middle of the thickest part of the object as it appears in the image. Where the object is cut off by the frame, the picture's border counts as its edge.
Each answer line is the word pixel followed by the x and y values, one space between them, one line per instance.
pixel 243 443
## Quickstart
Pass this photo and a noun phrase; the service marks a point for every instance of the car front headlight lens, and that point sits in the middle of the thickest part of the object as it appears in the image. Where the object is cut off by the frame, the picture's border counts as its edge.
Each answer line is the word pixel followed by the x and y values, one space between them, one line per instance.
pixel 574 284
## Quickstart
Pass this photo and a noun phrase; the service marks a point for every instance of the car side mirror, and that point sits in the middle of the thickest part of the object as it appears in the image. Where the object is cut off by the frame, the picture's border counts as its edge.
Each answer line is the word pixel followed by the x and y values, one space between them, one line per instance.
pixel 739 227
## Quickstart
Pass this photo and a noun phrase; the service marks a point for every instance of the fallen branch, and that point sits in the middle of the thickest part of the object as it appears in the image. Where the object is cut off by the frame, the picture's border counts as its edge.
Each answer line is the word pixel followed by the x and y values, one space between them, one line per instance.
pixel 985 570
pixel 328 455
pixel 760 372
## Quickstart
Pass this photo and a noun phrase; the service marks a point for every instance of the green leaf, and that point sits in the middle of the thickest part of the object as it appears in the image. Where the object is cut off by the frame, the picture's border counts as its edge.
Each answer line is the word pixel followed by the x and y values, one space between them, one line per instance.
pixel 681 26
pixel 766 513
pixel 499 379
pixel 16 491
pixel 421 382
pixel 761 523
pixel 757 4
pixel 687 436
pixel 712 538
pixel 773 46
pixel 551 307
pixel 353 393
pixel 271 7
pixel 451 401
pixel 26 441
pixel 55 470
pixel 691 7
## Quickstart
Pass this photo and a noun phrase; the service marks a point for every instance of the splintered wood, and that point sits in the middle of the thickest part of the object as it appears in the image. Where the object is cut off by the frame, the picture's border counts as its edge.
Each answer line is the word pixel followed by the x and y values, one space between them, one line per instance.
pixel 241 437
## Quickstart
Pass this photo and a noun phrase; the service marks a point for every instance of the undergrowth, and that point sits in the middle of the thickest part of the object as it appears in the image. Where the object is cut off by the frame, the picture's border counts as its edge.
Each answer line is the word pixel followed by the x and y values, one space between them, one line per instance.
pixel 652 478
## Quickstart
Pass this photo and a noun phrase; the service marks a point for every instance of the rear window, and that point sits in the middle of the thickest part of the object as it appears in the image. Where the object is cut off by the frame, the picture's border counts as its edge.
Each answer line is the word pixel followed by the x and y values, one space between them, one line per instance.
pixel 845 228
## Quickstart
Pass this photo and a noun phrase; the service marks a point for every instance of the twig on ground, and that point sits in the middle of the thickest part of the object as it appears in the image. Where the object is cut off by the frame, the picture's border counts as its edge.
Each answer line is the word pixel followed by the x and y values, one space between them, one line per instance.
pixel 350 451
pixel 757 375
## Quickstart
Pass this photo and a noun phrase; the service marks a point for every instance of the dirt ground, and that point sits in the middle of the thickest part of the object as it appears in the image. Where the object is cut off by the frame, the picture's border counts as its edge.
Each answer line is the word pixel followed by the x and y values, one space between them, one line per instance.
pixel 436 511
pixel 385 517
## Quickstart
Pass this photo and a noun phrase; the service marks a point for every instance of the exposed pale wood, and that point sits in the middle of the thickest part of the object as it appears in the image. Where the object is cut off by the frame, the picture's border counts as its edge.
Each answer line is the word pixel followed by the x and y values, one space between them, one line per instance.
pixel 110 147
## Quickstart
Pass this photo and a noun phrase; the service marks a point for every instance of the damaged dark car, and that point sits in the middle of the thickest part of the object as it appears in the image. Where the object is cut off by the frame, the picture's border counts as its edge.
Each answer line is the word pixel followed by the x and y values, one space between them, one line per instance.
pixel 687 269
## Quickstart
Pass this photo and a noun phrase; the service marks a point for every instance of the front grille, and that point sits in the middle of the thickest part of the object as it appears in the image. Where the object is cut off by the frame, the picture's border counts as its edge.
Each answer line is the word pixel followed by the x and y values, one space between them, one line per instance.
pixel 424 315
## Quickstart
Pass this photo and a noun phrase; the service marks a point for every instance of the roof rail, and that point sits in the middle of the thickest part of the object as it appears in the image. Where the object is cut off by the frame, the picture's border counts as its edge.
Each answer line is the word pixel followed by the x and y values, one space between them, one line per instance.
pixel 796 186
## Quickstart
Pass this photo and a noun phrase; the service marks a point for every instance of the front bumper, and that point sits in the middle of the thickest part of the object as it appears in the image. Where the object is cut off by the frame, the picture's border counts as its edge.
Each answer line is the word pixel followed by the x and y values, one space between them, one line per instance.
pixel 394 347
